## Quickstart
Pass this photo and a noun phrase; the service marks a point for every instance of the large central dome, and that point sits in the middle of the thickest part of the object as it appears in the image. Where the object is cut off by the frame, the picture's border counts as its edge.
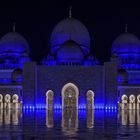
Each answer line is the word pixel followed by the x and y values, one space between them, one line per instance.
pixel 70 29
pixel 70 52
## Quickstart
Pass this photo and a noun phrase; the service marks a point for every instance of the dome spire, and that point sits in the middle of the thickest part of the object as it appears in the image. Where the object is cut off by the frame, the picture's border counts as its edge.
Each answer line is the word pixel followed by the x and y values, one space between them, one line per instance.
pixel 14 27
pixel 70 13
pixel 125 28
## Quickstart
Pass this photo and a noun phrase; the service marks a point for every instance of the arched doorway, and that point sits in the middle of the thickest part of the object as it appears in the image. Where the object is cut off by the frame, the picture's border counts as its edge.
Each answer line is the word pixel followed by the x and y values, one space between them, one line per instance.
pixel 15 101
pixel 124 103
pixel 90 99
pixel 138 102
pixel 1 101
pixel 131 102
pixel 7 103
pixel 70 95
pixel 49 99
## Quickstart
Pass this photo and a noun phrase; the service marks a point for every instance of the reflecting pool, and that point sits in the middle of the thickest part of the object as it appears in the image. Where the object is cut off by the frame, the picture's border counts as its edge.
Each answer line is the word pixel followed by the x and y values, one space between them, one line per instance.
pixel 69 124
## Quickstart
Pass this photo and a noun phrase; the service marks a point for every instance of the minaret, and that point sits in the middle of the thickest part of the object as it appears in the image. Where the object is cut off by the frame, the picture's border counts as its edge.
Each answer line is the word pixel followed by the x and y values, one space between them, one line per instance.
pixel 125 28
pixel 70 13
pixel 14 27
pixel 70 16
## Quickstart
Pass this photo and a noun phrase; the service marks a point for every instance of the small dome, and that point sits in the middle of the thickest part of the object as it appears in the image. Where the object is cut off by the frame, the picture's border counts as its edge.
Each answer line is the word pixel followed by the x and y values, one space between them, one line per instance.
pixel 70 29
pixel 126 43
pixel 24 58
pixel 70 51
pixel 17 75
pixel 122 76
pixel 13 42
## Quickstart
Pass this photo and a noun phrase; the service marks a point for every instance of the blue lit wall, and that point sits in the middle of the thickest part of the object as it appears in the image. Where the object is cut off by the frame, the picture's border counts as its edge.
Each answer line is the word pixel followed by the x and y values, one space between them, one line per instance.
pixel 129 60
pixel 39 79
pixel 111 83
pixel 29 84
pixel 56 77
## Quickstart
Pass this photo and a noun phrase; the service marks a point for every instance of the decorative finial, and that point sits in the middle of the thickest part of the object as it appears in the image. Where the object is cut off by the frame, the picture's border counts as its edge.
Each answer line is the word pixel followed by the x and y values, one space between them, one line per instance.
pixel 70 13
pixel 126 28
pixel 14 27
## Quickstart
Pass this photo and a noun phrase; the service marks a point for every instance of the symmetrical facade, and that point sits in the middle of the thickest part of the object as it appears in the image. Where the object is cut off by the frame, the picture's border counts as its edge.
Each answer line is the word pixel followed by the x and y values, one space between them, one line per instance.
pixel 69 76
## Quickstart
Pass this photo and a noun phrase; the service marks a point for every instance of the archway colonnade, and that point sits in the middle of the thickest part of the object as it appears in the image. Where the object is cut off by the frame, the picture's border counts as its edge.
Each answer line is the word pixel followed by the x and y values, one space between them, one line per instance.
pixel 70 96
pixel 129 102
pixel 9 102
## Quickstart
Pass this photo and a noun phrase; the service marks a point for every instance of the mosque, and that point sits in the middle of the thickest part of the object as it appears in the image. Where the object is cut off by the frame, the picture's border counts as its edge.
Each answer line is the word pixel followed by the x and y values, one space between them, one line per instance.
pixel 69 75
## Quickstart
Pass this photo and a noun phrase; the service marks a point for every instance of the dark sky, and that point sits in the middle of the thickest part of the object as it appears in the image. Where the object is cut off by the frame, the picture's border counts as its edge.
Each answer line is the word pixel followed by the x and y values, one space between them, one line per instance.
pixel 104 21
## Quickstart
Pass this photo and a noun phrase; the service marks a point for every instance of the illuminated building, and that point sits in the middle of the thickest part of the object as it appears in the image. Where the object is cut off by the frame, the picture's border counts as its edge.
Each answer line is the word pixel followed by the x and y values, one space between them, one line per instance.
pixel 69 75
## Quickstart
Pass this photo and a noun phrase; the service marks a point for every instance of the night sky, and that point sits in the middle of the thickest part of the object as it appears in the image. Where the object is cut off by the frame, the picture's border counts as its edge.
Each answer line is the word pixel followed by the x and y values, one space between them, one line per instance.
pixel 104 21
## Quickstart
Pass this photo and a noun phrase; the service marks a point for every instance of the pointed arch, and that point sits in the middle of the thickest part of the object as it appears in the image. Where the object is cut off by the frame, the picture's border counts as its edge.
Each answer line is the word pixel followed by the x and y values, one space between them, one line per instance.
pixel 1 101
pixel 1 98
pixel 49 99
pixel 70 94
pixel 7 101
pixel 90 99
pixel 132 101
pixel 124 102
pixel 15 98
pixel 15 101
pixel 138 102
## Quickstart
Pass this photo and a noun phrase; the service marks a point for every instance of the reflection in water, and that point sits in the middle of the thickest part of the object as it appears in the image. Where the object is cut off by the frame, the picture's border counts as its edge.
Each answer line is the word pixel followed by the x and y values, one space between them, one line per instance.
pixel 124 114
pixel 92 124
pixel 1 105
pixel 90 118
pixel 69 120
pixel 15 117
pixel 10 116
pixel 1 117
pixel 138 117
pixel 129 117
pixel 49 118
pixel 7 116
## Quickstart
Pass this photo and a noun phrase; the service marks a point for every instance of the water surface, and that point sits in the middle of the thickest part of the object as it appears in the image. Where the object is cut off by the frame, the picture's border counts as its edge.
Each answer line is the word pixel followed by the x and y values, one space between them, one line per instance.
pixel 69 124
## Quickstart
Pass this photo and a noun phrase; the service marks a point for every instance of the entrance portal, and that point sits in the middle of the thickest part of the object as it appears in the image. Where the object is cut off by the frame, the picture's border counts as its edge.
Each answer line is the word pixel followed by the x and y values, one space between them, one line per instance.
pixel 70 95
